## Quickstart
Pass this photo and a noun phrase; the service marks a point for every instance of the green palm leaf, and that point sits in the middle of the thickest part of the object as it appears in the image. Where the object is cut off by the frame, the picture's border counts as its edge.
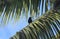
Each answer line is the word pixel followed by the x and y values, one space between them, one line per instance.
pixel 32 5
pixel 20 3
pixel 46 27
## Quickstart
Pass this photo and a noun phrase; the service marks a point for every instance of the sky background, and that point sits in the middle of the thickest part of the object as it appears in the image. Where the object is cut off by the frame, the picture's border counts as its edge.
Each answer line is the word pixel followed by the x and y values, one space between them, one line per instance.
pixel 12 27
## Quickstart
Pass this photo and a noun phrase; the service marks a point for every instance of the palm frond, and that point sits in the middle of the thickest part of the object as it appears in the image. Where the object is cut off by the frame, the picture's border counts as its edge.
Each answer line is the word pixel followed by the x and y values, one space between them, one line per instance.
pixel 46 27
pixel 36 8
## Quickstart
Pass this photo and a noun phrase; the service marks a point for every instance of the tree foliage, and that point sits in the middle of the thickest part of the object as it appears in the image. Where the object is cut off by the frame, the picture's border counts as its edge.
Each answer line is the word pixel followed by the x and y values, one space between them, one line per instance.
pixel 15 7
pixel 45 27
pixel 19 4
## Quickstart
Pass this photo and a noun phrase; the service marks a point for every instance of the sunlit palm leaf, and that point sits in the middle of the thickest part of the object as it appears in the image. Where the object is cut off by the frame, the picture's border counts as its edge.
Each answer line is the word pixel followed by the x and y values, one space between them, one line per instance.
pixel 36 7
pixel 46 27
pixel 19 4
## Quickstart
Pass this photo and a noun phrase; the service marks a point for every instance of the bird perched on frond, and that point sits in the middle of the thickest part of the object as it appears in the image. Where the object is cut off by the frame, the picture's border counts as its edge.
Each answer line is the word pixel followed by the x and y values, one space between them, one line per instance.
pixel 30 20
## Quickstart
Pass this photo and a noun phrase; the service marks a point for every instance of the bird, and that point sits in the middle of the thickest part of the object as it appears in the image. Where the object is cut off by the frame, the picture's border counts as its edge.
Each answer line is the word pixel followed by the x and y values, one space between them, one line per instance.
pixel 30 20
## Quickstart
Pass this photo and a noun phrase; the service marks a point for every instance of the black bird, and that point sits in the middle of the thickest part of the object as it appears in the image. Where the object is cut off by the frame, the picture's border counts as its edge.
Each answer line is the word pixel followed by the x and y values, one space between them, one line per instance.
pixel 30 20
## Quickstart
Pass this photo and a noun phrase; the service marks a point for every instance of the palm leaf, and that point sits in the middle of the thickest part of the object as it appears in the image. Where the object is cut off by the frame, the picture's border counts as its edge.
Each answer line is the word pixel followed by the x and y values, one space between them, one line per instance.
pixel 12 3
pixel 46 27
pixel 34 6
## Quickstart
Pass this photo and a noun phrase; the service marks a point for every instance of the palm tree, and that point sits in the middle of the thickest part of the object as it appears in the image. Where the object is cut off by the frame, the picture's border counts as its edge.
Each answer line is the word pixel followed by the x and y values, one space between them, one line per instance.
pixel 45 27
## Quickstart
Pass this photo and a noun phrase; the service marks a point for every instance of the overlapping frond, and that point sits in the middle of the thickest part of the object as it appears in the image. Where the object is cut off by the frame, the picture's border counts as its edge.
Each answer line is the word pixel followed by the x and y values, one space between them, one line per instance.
pixel 15 7
pixel 45 27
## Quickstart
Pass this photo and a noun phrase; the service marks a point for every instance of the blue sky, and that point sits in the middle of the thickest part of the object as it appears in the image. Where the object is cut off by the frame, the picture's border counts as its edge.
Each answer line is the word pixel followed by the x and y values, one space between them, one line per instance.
pixel 11 28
